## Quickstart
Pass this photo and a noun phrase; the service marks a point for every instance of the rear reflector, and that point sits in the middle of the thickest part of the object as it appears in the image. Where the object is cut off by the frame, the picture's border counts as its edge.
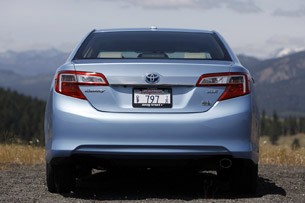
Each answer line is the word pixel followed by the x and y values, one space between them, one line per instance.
pixel 68 82
pixel 237 84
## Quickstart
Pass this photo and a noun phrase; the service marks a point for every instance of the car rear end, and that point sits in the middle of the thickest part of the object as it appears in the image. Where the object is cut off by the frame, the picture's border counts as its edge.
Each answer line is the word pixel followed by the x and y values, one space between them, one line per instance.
pixel 151 98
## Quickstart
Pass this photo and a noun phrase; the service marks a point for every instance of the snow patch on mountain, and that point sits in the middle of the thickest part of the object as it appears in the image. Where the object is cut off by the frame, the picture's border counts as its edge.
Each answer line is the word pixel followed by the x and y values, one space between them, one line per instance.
pixel 286 51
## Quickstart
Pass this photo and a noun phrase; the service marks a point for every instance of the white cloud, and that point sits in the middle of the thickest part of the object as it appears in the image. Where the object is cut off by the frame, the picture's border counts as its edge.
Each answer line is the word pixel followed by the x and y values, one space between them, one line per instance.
pixel 240 6
pixel 284 41
pixel 243 6
pixel 300 12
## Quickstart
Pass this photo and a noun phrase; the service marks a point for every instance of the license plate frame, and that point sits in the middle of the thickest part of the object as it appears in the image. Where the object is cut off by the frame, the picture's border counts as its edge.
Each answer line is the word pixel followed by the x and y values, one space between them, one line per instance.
pixel 161 97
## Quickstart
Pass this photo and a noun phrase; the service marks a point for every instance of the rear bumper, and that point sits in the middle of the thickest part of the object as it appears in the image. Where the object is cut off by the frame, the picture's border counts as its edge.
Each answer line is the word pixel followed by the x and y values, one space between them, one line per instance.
pixel 227 129
pixel 151 157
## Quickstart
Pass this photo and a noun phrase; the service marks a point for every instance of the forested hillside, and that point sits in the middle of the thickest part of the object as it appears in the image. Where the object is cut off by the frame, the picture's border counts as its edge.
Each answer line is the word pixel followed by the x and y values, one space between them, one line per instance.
pixel 21 118
pixel 274 127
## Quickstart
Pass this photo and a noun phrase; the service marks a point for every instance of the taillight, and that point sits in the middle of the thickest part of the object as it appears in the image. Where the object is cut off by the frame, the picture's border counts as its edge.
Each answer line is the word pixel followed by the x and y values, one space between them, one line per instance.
pixel 67 82
pixel 237 84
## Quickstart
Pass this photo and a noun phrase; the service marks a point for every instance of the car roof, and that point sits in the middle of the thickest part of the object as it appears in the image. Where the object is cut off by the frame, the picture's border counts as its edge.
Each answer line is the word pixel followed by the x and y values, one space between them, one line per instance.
pixel 153 28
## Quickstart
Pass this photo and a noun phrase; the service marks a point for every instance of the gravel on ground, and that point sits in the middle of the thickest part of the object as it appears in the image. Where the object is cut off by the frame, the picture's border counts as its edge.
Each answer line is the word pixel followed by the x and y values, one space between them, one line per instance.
pixel 21 183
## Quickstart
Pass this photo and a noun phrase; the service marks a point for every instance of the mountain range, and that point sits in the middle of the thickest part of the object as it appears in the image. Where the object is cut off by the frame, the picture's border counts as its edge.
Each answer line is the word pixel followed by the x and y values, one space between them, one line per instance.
pixel 30 72
pixel 279 81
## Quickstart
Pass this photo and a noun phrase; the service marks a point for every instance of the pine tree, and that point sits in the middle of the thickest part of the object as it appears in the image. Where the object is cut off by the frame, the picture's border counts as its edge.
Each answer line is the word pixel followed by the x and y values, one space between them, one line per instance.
pixel 276 128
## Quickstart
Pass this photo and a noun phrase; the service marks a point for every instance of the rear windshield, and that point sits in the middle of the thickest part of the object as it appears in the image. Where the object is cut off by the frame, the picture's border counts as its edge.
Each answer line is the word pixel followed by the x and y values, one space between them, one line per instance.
pixel 152 45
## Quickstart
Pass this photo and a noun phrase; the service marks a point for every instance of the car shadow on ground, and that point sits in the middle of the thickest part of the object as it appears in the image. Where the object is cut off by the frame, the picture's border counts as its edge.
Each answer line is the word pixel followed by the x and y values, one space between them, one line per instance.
pixel 147 185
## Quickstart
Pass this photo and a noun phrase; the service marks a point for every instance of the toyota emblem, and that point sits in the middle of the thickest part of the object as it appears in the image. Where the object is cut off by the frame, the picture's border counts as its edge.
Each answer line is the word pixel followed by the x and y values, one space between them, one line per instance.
pixel 152 78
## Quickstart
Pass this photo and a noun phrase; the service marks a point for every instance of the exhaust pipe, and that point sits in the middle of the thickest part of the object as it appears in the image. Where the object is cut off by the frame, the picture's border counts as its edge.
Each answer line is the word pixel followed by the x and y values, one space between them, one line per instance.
pixel 225 163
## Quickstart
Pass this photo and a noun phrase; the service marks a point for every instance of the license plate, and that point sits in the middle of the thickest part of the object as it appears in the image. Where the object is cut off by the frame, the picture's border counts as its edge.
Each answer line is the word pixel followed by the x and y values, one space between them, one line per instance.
pixel 152 97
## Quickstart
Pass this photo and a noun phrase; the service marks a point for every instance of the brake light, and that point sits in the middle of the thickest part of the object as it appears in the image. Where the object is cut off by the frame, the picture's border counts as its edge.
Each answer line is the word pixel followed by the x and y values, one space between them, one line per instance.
pixel 68 82
pixel 237 84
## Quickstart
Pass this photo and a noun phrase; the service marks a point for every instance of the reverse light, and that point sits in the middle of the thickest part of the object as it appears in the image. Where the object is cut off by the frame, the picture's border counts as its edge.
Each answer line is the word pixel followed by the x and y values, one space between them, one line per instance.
pixel 68 82
pixel 236 83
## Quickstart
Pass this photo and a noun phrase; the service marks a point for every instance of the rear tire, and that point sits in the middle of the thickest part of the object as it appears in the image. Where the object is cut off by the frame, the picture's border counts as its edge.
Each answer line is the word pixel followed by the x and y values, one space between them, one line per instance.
pixel 60 178
pixel 244 177
pixel 50 179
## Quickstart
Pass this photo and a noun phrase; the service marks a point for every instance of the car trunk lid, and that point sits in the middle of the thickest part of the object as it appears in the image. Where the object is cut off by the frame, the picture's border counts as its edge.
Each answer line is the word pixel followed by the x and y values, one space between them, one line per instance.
pixel 128 85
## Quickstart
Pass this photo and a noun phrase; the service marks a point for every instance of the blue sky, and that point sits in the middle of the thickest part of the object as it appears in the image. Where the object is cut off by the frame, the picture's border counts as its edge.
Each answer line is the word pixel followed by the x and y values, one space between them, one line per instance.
pixel 253 27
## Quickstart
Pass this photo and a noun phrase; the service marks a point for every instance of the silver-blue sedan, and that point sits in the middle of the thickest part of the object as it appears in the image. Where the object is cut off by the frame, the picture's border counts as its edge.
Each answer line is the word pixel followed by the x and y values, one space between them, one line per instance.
pixel 147 98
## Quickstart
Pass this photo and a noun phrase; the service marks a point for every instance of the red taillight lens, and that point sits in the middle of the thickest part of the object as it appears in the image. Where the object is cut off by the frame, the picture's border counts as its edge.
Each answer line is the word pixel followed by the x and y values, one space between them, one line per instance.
pixel 67 82
pixel 237 84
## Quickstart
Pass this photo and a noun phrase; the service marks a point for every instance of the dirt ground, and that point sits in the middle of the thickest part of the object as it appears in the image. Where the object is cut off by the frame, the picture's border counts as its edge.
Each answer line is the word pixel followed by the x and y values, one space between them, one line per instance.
pixel 20 183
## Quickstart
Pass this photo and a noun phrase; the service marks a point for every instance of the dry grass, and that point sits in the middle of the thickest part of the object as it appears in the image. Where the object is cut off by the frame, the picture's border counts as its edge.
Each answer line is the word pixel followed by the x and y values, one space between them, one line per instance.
pixel 287 140
pixel 282 154
pixel 21 154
